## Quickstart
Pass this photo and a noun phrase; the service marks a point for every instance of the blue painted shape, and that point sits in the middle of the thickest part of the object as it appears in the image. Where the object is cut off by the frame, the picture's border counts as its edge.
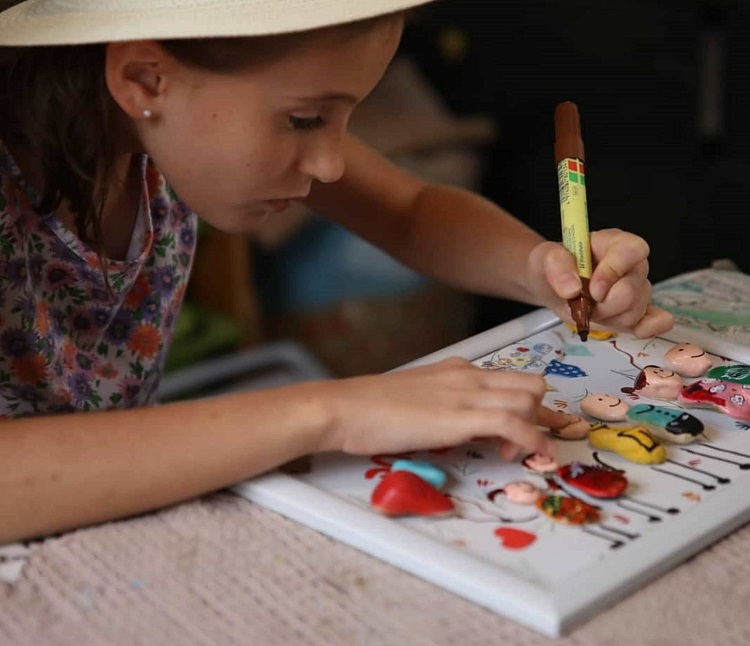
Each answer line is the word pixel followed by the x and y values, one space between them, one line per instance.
pixel 577 350
pixel 674 421
pixel 555 367
pixel 428 472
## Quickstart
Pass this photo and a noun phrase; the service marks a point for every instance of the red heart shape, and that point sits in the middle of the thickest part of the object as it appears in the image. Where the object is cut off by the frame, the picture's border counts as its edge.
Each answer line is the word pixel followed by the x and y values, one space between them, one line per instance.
pixel 514 539
pixel 402 493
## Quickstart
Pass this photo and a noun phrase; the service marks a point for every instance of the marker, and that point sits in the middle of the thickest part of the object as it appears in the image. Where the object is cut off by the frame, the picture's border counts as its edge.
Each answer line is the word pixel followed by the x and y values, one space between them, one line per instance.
pixel 571 180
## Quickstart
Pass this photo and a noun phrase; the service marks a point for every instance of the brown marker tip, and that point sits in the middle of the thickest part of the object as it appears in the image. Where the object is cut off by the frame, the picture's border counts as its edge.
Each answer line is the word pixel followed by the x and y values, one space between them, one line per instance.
pixel 568 138
pixel 580 310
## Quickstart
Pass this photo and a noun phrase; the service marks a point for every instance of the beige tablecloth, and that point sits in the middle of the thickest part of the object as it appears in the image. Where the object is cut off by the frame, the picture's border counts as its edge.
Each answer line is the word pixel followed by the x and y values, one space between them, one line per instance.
pixel 224 571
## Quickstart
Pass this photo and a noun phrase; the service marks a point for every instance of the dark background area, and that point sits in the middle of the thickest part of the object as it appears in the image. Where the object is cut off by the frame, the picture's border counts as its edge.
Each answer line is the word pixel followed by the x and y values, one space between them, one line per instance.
pixel 663 89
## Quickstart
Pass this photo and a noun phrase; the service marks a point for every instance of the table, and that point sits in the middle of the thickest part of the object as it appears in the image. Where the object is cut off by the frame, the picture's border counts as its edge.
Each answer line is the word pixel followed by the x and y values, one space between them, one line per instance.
pixel 222 570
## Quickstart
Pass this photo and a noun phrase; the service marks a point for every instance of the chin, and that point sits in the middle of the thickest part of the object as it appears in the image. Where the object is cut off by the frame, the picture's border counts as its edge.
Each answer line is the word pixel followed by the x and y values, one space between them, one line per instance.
pixel 244 223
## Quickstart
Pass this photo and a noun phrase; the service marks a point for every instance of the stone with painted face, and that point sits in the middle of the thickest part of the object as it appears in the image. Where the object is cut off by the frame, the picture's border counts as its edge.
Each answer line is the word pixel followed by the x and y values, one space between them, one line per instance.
pixel 605 407
pixel 633 443
pixel 667 424
pixel 658 383
pixel 521 492
pixel 688 359
pixel 541 464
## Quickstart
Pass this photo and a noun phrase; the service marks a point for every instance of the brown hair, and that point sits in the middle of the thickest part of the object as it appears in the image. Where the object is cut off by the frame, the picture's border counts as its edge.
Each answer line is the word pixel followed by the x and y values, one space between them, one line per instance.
pixel 54 102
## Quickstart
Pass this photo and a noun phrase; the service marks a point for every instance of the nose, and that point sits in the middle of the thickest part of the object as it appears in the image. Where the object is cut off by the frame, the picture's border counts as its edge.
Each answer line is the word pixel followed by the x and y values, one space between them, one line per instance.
pixel 323 159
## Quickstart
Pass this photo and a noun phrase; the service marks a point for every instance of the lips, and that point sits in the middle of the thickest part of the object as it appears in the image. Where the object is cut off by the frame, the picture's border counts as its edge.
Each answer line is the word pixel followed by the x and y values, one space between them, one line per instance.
pixel 278 205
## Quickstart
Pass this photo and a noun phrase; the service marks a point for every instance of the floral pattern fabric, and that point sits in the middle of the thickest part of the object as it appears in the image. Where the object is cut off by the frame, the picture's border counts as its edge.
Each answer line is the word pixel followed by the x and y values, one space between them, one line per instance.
pixel 67 341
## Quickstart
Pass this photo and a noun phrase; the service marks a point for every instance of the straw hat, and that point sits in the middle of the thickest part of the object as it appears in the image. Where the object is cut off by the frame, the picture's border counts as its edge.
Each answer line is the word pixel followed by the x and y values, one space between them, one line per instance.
pixel 75 22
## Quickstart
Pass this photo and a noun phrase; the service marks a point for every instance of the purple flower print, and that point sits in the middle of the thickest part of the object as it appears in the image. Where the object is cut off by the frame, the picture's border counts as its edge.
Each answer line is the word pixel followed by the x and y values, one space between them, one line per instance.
pixel 16 342
pixel 80 387
pixel 164 280
pixel 120 328
pixel 15 272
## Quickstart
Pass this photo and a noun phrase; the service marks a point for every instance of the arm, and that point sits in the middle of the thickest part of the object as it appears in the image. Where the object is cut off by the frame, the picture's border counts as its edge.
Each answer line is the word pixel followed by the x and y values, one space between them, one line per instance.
pixel 67 471
pixel 474 245
pixel 451 234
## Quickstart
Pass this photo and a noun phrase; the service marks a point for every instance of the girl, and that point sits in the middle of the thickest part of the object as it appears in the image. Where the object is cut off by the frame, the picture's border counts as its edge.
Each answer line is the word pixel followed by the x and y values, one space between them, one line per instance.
pixel 118 122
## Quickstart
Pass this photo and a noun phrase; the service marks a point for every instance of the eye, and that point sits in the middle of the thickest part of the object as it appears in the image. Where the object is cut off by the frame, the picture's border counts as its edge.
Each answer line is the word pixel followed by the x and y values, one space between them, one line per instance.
pixel 306 123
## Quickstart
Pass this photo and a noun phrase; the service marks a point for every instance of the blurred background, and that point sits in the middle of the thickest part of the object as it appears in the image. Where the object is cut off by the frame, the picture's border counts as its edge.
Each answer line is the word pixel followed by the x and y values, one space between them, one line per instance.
pixel 663 90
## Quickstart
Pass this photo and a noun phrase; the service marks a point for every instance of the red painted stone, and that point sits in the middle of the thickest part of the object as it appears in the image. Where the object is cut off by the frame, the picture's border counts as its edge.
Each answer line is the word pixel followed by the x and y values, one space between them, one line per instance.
pixel 569 511
pixel 402 493
pixel 597 482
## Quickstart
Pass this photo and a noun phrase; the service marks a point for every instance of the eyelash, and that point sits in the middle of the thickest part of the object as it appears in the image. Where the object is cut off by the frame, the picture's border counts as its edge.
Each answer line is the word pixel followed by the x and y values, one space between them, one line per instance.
pixel 306 123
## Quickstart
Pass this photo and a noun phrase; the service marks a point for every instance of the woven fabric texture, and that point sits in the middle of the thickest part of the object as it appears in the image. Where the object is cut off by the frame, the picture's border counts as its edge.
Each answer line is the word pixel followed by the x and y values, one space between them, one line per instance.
pixel 223 571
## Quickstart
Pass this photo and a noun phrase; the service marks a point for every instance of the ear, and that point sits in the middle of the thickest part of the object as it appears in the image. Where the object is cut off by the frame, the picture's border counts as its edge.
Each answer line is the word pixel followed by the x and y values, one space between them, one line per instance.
pixel 136 74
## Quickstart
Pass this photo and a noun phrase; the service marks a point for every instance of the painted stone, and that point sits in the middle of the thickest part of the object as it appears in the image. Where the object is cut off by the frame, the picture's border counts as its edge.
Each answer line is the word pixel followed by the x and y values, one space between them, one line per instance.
pixel 425 470
pixel 667 424
pixel 737 373
pixel 539 464
pixel 605 407
pixel 657 383
pixel 567 510
pixel 597 335
pixel 633 443
pixel 688 359
pixel 521 492
pixel 726 397
pixel 402 493
pixel 576 429
pixel 594 481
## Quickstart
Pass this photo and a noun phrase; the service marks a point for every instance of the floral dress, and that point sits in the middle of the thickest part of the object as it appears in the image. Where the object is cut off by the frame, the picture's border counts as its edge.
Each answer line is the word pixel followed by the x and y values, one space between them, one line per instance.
pixel 67 342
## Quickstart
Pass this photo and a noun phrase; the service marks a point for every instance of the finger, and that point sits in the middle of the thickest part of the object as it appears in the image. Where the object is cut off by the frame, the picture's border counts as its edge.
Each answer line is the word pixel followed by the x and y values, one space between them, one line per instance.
pixel 513 380
pixel 508 451
pixel 560 270
pixel 655 321
pixel 617 254
pixel 549 418
pixel 505 425
pixel 521 403
pixel 625 305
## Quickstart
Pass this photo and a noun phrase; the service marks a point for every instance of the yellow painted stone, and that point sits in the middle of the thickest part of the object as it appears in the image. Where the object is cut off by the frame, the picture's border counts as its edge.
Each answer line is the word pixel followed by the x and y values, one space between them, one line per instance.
pixel 598 335
pixel 633 443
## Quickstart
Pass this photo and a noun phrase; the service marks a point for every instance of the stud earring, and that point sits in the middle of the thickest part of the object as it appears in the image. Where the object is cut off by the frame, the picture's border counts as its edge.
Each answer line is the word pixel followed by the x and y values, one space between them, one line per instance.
pixel 147 114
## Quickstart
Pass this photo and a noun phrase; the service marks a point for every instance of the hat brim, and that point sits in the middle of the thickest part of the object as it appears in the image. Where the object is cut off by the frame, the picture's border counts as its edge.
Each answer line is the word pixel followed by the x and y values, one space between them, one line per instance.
pixel 79 22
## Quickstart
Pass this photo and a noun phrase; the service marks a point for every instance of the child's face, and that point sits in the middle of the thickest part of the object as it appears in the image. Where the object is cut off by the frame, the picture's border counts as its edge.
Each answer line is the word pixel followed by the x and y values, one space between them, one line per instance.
pixel 237 146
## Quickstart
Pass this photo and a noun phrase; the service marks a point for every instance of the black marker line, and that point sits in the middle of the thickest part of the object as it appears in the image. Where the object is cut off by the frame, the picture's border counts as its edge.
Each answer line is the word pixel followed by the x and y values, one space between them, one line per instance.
pixel 651 518
pixel 744 466
pixel 705 487
pixel 718 479
pixel 613 543
pixel 669 510
pixel 632 537
pixel 516 520
pixel 708 445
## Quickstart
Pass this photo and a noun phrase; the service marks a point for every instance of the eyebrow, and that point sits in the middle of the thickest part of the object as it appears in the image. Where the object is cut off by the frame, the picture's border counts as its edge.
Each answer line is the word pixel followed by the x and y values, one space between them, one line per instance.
pixel 330 97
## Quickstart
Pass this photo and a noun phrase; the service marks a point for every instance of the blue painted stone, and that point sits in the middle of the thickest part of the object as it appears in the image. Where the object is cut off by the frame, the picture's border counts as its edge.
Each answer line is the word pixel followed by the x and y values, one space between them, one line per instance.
pixel 428 472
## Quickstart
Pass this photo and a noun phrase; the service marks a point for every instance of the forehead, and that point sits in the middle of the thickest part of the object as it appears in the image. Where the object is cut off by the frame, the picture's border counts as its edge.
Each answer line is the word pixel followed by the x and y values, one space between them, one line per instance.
pixel 333 62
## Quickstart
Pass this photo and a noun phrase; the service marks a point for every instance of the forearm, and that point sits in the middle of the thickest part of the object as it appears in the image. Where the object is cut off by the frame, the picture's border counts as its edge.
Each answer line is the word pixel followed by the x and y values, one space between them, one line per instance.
pixel 468 242
pixel 73 470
